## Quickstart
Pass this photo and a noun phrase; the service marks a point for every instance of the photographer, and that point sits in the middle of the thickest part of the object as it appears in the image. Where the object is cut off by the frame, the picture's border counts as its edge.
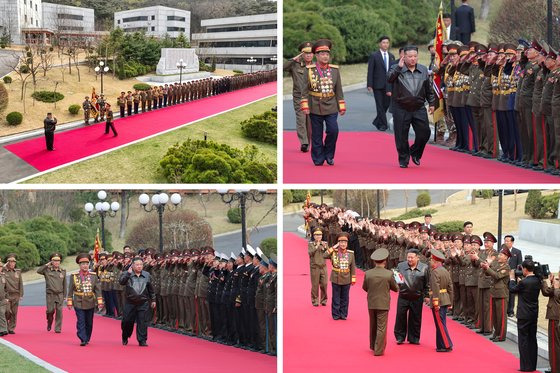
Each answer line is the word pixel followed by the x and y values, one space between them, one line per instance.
pixel 528 289
pixel 551 289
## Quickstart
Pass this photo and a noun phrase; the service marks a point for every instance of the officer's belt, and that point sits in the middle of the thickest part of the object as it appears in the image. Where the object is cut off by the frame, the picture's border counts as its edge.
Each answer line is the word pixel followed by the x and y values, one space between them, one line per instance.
pixel 341 270
pixel 319 94
pixel 443 291
pixel 82 294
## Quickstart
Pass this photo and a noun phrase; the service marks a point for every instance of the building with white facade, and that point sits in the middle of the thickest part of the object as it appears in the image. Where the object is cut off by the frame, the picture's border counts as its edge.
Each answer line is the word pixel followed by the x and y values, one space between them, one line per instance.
pixel 155 21
pixel 33 21
pixel 239 43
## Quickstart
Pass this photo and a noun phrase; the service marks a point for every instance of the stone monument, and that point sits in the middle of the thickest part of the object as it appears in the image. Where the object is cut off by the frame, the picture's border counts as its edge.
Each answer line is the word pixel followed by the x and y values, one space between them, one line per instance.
pixel 167 64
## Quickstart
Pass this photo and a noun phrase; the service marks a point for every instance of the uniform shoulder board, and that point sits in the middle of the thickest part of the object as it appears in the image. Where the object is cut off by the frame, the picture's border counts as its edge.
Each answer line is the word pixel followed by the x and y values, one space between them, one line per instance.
pixel 92 273
pixel 310 66
pixel 334 66
pixel 350 251
pixel 17 269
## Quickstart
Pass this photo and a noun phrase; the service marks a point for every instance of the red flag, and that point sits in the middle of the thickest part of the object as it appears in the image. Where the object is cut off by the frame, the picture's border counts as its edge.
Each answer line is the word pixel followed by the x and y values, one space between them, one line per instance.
pixel 96 247
pixel 438 45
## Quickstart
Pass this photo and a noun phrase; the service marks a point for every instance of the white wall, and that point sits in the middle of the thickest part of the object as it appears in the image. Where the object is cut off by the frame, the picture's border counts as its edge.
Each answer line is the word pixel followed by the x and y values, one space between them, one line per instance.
pixel 159 23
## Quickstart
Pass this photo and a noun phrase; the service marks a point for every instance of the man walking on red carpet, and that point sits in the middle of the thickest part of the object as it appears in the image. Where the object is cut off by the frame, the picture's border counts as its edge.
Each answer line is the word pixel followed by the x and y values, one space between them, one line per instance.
pixel 442 293
pixel 378 283
pixel 411 88
pixel 140 297
pixel 343 274
pixel 318 268
pixel 55 283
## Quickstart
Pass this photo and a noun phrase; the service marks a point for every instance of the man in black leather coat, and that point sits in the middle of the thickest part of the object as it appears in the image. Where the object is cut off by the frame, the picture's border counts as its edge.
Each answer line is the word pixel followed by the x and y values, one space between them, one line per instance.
pixel 411 293
pixel 50 126
pixel 411 88
pixel 140 296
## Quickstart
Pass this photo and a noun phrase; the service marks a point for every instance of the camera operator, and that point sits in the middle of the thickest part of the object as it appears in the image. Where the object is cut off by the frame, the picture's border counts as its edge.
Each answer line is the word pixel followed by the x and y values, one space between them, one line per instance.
pixel 528 289
pixel 551 289
pixel 513 262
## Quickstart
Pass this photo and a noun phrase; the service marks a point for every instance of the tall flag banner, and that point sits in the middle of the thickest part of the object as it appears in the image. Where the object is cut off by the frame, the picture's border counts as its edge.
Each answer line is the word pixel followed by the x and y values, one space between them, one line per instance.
pixel 441 36
pixel 96 247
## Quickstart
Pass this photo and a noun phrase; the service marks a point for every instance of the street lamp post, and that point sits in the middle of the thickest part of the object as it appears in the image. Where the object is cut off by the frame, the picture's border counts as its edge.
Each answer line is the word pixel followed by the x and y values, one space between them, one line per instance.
pixel 159 203
pixel 242 195
pixel 101 69
pixel 181 65
pixel 102 209
pixel 252 60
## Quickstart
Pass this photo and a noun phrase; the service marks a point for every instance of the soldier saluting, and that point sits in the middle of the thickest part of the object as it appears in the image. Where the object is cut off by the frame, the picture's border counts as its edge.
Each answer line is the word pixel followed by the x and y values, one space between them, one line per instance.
pixel 322 99
pixel 55 282
pixel 86 105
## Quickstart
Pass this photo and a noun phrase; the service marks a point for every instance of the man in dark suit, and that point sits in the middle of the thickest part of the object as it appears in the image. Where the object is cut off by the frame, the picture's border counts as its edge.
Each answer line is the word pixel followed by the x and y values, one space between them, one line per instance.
pixel 464 20
pixel 428 222
pixel 528 289
pixel 515 260
pixel 378 64
pixel 452 31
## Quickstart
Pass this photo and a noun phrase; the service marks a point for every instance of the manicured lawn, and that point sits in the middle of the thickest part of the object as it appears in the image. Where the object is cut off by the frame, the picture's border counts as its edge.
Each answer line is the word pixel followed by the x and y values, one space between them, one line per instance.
pixel 11 361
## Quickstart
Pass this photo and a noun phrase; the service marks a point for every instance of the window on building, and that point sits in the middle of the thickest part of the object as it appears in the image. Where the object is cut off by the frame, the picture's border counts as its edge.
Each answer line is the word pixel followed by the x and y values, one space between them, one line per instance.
pixel 36 8
pixel 70 16
pixel 176 18
pixel 179 29
pixel 118 21
pixel 134 29
pixel 70 28
pixel 37 23
pixel 24 2
pixel 31 21
pixel 153 28
pixel 25 18
pixel 238 44
pixel 134 19
pixel 153 18
pixel 242 28
pixel 31 4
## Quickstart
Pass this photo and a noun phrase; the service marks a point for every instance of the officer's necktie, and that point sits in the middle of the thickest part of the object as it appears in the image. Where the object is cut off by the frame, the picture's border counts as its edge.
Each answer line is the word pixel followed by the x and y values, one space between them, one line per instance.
pixel 385 61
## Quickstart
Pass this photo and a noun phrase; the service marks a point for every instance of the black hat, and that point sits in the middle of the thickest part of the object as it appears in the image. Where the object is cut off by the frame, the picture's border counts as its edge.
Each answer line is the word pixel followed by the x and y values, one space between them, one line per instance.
pixel 83 257
pixel 322 45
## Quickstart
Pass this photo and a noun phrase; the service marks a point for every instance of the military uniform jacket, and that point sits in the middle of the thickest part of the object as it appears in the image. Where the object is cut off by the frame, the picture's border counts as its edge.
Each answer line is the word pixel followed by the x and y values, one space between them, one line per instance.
pixel 484 279
pixel 297 70
pixel 55 279
pixel 14 282
pixel 540 79
pixel 553 306
pixel 555 101
pixel 316 254
pixel 378 283
pixel 441 287
pixel 202 282
pixel 486 87
pixel 528 84
pixel 117 271
pixel 261 291
pixel 500 276
pixel 245 278
pixel 322 90
pixel 191 279
pixel 471 272
pixel 228 286
pixel 476 76
pixel 236 285
pixel 270 299
pixel 164 274
pixel 213 278
pixel 3 284
pixel 343 266
pixel 84 292
pixel 546 102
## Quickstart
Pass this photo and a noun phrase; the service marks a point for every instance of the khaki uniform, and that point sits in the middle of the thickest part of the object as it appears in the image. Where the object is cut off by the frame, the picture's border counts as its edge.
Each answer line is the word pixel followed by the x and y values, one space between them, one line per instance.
pixel 441 295
pixel 298 70
pixel 55 283
pixel 499 293
pixel 192 326
pixel 201 293
pixel 318 271
pixel 484 284
pixel 377 283
pixel 14 288
pixel 553 317
pixel 84 293
pixel 271 311
pixel 471 286
pixel 3 304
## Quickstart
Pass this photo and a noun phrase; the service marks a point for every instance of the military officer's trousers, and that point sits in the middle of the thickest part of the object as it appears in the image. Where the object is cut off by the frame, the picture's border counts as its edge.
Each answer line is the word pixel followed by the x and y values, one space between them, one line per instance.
pixel 340 301
pixel 499 318
pixel 261 315
pixel 54 304
pixel 538 128
pixel 302 122
pixel 457 304
pixel 3 323
pixel 484 323
pixel 204 316
pixel 471 300
pixel 527 120
pixel 443 340
pixel 554 345
pixel 550 142
pixel 378 331
pixel 190 314
pixel 488 132
pixel 463 295
pixel 323 149
pixel 271 321
pixel 318 283
pixel 556 125
pixel 11 313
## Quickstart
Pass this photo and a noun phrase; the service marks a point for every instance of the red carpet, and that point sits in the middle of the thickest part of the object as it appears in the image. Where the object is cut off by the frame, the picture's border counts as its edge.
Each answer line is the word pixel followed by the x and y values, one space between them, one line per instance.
pixel 167 352
pixel 314 342
pixel 86 141
pixel 371 157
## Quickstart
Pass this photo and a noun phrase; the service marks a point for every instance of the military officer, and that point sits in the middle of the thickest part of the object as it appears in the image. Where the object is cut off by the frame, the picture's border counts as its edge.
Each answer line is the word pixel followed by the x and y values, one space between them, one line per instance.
pixel 322 99
pixel 271 305
pixel 55 282
pixel 14 288
pixel 343 274
pixel 102 110
pixel 318 268
pixel 484 323
pixel 122 102
pixel 149 95
pixel 109 122
pixel 129 99
pixel 378 283
pixel 84 294
pixel 441 296
pixel 136 100
pixel 551 289
pixel 4 302
pixel 297 68
pixel 86 105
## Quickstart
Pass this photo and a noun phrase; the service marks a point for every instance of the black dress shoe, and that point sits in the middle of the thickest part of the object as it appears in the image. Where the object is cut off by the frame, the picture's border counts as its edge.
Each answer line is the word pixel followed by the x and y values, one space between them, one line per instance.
pixel 400 342
pixel 57 331
pixel 11 332
pixel 324 304
pixel 383 129
pixel 330 162
pixel 3 334
pixel 318 164
pixel 83 343
pixel 444 349
pixel 336 317
pixel 48 328
pixel 343 317
pixel 315 304
pixel 124 341
pixel 486 333
pixel 403 165
pixel 143 344
pixel 416 160
pixel 304 148
pixel 480 331
pixel 414 342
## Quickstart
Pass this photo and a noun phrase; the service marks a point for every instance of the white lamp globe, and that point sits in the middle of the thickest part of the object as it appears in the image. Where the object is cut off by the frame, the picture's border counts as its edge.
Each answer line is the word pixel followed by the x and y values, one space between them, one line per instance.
pixel 222 191
pixel 144 199
pixel 155 199
pixel 101 195
pixel 175 198
pixel 106 206
pixel 163 198
pixel 88 207
pixel 98 206
pixel 115 206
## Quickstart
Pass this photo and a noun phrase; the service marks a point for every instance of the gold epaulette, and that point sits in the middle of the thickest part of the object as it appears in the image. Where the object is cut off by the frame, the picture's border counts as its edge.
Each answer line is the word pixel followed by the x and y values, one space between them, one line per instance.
pixel 334 66
pixel 310 66
pixel 350 251
pixel 93 273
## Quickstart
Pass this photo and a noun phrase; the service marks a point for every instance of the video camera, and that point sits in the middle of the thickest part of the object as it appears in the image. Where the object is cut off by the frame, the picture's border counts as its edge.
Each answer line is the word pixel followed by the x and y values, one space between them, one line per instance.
pixel 541 270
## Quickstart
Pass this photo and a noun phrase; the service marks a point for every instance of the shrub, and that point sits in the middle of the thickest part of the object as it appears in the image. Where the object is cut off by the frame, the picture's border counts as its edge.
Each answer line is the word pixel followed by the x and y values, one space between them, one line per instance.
pixel 261 127
pixel 533 204
pixel 142 86
pixel 198 161
pixel 238 72
pixel 268 246
pixel 7 79
pixel 287 197
pixel 299 195
pixel 47 243
pixel 24 69
pixel 74 109
pixel 485 193
pixel 450 226
pixel 423 199
pixel 4 98
pixel 234 215
pixel 550 205
pixel 414 213
pixel 47 96
pixel 14 118
pixel 27 253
